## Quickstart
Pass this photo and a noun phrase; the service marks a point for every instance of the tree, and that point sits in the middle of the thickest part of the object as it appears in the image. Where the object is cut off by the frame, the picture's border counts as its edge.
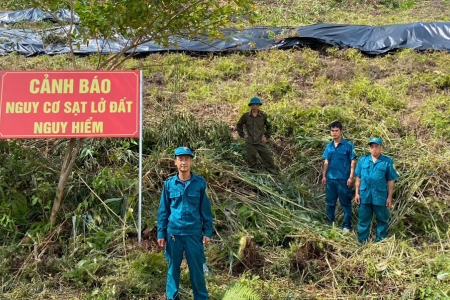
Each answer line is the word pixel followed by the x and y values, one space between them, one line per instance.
pixel 138 21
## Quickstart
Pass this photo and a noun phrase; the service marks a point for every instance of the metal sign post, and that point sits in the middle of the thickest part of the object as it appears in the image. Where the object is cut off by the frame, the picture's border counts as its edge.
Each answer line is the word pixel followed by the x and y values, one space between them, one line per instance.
pixel 140 164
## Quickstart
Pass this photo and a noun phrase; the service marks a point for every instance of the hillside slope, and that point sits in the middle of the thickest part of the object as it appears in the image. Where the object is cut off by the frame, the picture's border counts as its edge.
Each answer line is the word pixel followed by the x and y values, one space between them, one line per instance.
pixel 270 231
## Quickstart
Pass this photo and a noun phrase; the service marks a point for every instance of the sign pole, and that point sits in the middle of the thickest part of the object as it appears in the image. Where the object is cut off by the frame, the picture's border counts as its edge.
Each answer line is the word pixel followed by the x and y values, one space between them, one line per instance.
pixel 140 161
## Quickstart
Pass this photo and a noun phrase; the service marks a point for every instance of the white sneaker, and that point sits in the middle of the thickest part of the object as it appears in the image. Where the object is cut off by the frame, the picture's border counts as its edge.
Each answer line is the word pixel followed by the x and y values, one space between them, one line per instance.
pixel 345 230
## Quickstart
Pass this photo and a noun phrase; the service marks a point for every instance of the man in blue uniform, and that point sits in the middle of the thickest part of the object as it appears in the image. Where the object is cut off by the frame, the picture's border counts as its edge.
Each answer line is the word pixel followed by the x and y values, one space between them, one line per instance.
pixel 338 171
pixel 375 178
pixel 185 224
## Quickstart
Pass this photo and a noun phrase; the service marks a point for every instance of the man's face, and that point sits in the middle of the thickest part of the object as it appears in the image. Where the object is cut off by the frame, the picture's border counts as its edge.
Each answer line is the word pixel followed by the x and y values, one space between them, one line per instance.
pixel 255 106
pixel 335 132
pixel 183 163
pixel 375 149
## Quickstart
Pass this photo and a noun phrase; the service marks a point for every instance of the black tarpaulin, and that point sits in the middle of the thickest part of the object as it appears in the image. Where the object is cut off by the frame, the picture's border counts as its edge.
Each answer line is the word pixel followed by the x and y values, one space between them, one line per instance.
pixel 373 40
pixel 35 15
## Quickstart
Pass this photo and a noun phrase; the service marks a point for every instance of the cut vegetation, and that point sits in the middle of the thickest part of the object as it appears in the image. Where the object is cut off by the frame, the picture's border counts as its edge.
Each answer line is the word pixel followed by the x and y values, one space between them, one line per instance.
pixel 270 240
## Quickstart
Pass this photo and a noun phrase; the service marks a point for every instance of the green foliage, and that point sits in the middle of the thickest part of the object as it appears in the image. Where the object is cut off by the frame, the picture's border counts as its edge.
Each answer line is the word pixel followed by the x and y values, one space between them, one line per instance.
pixel 107 181
pixel 184 128
pixel 240 291
pixel 157 20
pixel 15 5
pixel 290 13
pixel 390 4
pixel 6 260
pixel 232 67
pixel 196 101
pixel 103 293
pixel 441 81
pixel 432 293
pixel 364 90
pixel 254 287
pixel 276 86
pixel 51 38
pixel 26 188
pixel 402 4
pixel 147 267
pixel 435 113
pixel 247 216
pixel 98 239
pixel 88 271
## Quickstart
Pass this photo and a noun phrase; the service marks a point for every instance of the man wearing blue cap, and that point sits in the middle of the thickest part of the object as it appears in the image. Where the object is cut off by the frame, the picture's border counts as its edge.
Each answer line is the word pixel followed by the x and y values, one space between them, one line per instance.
pixel 338 172
pixel 185 224
pixel 258 130
pixel 374 187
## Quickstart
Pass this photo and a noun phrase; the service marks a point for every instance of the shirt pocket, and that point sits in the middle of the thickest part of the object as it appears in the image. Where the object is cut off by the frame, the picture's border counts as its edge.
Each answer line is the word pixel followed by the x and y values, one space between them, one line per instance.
pixel 365 171
pixel 330 155
pixel 380 171
pixel 261 121
pixel 341 150
pixel 365 177
pixel 381 188
pixel 341 154
pixel 381 194
pixel 363 186
pixel 194 198
pixel 174 195
pixel 175 198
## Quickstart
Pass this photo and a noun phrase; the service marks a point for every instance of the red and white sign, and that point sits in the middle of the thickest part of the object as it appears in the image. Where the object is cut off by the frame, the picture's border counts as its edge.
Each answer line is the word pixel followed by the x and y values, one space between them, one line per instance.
pixel 71 104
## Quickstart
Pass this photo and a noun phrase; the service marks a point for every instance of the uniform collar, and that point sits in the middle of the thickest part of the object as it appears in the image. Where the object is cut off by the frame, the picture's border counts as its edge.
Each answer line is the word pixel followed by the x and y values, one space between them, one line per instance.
pixel 250 113
pixel 380 158
pixel 340 142
pixel 178 178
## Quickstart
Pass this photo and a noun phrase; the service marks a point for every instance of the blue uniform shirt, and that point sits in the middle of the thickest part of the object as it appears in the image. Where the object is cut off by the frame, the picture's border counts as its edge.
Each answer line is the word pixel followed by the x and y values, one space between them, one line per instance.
pixel 184 208
pixel 374 178
pixel 339 159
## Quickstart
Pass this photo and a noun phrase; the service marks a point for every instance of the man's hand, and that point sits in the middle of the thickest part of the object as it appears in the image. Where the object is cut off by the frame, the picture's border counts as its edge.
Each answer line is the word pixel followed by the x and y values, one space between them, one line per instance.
pixel 350 182
pixel 357 199
pixel 389 202
pixel 206 240
pixel 161 242
pixel 246 136
pixel 264 139
pixel 324 180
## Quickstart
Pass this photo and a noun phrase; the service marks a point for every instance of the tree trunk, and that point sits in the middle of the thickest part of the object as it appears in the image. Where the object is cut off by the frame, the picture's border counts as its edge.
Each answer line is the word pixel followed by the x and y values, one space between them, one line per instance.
pixel 66 168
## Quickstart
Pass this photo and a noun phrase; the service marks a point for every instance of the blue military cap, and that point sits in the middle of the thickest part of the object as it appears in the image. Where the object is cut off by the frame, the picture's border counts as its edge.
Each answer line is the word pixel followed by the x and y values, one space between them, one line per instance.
pixel 183 151
pixel 375 140
pixel 255 100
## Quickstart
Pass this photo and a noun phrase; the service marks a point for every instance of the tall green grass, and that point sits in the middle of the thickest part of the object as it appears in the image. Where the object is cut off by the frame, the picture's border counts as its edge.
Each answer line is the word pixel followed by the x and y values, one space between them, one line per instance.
pixel 271 240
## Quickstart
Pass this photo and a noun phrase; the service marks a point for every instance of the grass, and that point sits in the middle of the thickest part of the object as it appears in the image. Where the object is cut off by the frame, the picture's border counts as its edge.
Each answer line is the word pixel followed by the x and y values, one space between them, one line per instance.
pixel 363 12
pixel 270 237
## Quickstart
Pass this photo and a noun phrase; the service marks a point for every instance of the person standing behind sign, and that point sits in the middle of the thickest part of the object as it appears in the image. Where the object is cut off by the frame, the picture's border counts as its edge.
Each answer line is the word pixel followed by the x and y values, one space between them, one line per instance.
pixel 185 224
pixel 375 178
pixel 258 130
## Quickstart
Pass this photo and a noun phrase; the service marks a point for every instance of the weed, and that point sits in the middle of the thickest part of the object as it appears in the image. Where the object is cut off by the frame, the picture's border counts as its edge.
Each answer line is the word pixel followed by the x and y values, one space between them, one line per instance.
pixel 195 101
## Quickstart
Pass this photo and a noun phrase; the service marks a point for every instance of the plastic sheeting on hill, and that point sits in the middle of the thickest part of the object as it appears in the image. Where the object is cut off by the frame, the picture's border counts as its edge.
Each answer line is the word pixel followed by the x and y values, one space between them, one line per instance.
pixel 371 40
pixel 35 15
pixel 375 39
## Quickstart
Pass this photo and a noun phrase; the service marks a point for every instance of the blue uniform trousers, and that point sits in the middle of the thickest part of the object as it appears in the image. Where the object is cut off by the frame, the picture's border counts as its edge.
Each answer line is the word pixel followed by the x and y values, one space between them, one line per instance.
pixel 365 216
pixel 192 247
pixel 337 188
